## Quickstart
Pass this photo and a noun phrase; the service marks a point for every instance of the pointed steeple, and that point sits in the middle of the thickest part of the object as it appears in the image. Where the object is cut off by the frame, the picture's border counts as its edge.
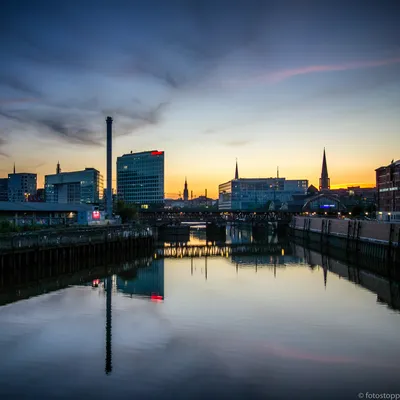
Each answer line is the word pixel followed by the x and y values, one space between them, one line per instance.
pixel 324 182
pixel 14 169
pixel 185 191
pixel 236 171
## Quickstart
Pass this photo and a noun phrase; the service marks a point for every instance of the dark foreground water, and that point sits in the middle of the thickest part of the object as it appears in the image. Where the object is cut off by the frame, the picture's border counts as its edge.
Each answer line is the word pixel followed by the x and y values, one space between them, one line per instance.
pixel 242 325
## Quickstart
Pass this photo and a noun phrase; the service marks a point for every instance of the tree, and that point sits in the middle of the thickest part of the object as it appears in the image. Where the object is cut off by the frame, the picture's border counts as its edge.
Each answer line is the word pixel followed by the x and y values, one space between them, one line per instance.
pixel 356 210
pixel 127 212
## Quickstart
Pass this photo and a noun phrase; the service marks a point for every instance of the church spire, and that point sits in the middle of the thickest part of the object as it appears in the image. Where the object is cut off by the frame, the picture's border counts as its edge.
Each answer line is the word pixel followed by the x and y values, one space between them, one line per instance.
pixel 236 171
pixel 324 182
pixel 185 191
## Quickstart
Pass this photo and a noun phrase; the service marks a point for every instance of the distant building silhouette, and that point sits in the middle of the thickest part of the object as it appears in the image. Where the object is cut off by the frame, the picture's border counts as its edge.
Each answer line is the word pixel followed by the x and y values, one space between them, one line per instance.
pixel 58 169
pixel 185 191
pixel 324 182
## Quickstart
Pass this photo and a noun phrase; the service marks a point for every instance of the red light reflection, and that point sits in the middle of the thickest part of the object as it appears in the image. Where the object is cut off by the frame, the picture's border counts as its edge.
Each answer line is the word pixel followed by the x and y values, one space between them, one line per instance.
pixel 156 298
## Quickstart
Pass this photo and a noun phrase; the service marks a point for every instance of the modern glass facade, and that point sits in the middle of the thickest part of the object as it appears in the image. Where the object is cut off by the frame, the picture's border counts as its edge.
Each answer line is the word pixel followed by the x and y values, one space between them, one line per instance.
pixel 140 178
pixel 253 194
pixel 74 187
pixel 21 186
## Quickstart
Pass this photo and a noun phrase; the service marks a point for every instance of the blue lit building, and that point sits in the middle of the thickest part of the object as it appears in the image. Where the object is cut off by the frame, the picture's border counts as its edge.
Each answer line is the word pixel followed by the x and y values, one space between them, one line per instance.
pixel 21 186
pixel 4 189
pixel 252 194
pixel 140 178
pixel 74 187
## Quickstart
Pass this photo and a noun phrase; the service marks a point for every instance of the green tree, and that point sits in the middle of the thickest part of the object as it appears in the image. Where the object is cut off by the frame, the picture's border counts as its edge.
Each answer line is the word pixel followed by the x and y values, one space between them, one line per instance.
pixel 127 212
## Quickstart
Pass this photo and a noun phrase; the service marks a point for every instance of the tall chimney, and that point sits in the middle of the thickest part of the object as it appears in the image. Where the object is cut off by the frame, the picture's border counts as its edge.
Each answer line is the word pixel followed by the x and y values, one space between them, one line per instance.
pixel 109 206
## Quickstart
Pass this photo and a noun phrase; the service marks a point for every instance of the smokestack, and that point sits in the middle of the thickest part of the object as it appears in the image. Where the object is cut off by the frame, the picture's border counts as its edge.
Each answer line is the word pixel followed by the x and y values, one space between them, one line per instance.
pixel 206 193
pixel 109 205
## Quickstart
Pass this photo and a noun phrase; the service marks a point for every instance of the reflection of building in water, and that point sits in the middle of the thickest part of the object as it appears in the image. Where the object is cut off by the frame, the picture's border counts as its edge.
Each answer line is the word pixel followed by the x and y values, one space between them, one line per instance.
pixel 235 235
pixel 263 259
pixel 198 235
pixel 146 281
pixel 387 291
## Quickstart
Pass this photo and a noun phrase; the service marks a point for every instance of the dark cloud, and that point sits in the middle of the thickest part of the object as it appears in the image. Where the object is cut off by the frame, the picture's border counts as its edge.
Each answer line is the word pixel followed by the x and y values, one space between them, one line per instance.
pixel 63 126
pixel 137 119
pixel 3 142
pixel 83 125
pixel 19 84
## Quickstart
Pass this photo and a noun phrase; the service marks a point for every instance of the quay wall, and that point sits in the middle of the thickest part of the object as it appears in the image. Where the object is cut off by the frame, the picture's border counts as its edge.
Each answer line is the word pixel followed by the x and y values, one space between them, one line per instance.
pixel 70 237
pixel 20 252
pixel 373 239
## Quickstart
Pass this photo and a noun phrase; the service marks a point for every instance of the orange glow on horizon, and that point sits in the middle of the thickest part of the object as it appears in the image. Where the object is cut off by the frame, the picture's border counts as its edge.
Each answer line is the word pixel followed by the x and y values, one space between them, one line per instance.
pixel 346 185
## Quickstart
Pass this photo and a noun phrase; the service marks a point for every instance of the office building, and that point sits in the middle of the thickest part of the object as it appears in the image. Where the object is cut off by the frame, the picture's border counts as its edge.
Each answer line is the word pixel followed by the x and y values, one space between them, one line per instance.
pixel 252 194
pixel 4 189
pixel 21 186
pixel 74 187
pixel 387 184
pixel 140 178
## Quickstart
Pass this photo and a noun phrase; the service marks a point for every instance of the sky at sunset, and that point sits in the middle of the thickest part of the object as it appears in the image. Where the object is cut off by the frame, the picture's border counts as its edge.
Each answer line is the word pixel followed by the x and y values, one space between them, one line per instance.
pixel 267 82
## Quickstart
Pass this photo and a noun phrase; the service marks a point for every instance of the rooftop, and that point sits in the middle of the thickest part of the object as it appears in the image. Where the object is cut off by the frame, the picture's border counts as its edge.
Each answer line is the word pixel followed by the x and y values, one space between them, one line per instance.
pixel 150 152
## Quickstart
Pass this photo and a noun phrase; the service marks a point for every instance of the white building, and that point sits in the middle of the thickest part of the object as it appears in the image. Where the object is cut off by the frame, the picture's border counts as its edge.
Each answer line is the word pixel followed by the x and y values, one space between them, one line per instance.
pixel 74 187
pixel 251 194
pixel 140 178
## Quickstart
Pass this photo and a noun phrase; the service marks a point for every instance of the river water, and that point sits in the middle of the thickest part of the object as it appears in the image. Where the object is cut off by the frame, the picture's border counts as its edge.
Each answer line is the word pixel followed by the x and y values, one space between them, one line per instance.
pixel 268 321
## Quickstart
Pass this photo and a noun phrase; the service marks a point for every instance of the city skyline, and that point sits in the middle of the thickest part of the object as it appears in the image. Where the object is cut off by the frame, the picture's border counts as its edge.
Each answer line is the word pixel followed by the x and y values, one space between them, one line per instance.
pixel 269 83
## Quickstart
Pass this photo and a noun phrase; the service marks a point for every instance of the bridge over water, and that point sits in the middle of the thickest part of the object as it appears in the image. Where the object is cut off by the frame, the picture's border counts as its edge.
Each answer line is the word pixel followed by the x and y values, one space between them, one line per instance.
pixel 216 217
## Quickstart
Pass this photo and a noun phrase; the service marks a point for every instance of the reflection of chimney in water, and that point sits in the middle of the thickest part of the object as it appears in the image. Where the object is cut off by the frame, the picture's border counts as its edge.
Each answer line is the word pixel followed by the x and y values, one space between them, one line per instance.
pixel 109 205
pixel 108 325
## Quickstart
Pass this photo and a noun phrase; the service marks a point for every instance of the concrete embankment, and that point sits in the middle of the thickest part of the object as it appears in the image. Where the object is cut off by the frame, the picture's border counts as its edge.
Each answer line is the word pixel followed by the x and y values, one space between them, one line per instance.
pixel 377 240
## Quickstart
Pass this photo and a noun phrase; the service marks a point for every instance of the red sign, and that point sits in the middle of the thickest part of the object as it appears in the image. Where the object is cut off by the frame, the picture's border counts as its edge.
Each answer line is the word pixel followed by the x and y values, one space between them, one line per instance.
pixel 96 214
pixel 157 153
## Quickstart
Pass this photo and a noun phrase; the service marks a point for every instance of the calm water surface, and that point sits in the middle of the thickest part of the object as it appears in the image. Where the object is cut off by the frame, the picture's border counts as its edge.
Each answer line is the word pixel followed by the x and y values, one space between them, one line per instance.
pixel 236 325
